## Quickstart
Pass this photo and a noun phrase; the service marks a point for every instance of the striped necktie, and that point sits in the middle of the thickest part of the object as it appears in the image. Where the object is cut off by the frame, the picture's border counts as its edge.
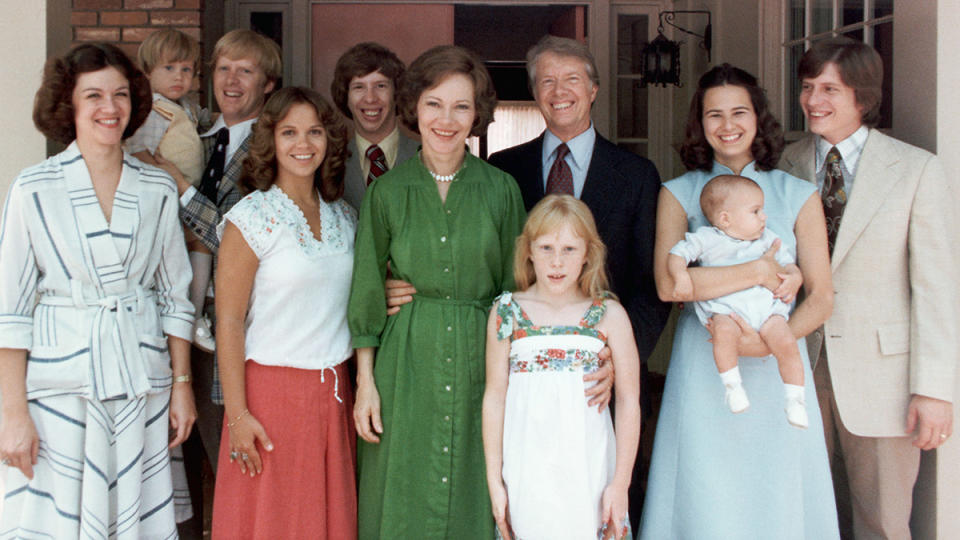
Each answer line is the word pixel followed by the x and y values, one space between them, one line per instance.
pixel 378 163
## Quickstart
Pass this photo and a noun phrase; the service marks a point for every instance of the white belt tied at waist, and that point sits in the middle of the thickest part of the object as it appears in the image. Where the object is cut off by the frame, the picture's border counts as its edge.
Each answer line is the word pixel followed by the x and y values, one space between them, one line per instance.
pixel 116 363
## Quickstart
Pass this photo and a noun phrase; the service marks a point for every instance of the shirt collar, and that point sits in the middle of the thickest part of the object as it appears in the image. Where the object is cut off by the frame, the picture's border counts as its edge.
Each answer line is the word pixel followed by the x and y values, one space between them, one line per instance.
pixel 581 146
pixel 849 148
pixel 390 146
pixel 238 131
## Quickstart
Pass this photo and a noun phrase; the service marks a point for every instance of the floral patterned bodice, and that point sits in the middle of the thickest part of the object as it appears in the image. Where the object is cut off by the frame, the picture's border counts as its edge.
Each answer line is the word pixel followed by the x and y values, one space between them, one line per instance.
pixel 548 348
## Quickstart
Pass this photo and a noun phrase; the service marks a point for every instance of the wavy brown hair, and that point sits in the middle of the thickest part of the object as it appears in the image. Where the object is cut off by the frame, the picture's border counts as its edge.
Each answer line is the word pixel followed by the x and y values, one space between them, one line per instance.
pixel 548 216
pixel 435 65
pixel 260 166
pixel 359 61
pixel 696 152
pixel 53 112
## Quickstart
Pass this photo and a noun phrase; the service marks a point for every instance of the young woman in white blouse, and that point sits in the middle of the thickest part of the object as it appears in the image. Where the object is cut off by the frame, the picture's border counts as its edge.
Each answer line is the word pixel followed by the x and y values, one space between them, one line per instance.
pixel 283 280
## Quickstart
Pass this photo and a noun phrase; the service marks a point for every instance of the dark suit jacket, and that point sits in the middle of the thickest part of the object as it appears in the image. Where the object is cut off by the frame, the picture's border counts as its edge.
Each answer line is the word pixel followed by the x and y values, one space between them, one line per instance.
pixel 621 190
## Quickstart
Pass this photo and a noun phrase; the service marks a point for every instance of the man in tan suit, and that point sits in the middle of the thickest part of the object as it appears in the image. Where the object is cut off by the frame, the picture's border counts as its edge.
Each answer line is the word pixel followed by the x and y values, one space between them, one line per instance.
pixel 886 358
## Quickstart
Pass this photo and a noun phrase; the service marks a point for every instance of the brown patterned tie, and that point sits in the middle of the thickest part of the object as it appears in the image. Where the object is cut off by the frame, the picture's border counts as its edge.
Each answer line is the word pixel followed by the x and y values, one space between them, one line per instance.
pixel 378 163
pixel 834 196
pixel 560 179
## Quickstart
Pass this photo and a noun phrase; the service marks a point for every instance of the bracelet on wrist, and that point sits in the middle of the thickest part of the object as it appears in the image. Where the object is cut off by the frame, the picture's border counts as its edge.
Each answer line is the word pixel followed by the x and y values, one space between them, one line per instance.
pixel 182 378
pixel 237 419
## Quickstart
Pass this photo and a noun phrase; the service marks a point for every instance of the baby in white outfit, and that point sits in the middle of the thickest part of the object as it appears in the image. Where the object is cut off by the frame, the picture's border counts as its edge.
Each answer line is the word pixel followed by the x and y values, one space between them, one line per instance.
pixel 734 206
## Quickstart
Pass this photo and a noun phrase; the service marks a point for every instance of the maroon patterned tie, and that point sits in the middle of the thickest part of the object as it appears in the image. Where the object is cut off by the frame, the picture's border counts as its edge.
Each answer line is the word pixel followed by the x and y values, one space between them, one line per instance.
pixel 378 163
pixel 834 196
pixel 560 179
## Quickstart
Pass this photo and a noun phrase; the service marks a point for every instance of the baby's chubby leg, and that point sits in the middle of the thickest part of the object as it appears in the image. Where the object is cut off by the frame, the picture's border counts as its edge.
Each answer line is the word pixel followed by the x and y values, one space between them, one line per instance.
pixel 778 337
pixel 726 339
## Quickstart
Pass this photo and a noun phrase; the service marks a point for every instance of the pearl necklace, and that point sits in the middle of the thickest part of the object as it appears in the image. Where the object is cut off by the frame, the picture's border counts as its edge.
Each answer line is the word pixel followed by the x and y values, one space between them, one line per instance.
pixel 443 177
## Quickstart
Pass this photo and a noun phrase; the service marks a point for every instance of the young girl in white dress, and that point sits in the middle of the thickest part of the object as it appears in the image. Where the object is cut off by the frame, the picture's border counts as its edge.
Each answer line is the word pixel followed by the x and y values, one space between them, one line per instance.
pixel 555 469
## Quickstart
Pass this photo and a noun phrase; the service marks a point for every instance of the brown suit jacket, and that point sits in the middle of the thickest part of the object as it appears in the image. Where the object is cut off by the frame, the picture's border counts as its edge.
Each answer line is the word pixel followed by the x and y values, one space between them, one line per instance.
pixel 894 328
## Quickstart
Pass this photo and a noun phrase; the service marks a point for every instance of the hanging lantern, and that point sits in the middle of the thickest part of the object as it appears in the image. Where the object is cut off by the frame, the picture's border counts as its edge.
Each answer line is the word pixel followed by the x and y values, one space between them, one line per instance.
pixel 660 62
pixel 660 59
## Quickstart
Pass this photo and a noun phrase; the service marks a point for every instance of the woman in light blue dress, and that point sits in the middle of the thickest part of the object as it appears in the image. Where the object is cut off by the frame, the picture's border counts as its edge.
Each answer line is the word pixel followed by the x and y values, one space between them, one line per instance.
pixel 716 474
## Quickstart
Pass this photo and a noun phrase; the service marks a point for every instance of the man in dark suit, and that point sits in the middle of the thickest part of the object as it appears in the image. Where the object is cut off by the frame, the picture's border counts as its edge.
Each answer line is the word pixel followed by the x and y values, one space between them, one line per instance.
pixel 364 89
pixel 619 187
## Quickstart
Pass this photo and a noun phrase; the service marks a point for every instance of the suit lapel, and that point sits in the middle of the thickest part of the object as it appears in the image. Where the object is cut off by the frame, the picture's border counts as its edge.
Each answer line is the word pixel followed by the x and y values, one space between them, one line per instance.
pixel 530 179
pixel 872 183
pixel 800 158
pixel 406 149
pixel 232 171
pixel 602 183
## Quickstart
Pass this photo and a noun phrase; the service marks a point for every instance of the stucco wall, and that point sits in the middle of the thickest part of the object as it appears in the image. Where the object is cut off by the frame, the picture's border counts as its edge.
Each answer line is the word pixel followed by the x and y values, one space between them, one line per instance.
pixel 22 52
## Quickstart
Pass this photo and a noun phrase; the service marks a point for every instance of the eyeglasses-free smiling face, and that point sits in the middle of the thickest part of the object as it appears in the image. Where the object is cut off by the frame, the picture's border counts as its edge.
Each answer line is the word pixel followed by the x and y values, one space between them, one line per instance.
pixel 371 102
pixel 830 105
pixel 300 141
pixel 240 88
pixel 172 80
pixel 564 93
pixel 445 115
pixel 558 258
pixel 729 125
pixel 101 107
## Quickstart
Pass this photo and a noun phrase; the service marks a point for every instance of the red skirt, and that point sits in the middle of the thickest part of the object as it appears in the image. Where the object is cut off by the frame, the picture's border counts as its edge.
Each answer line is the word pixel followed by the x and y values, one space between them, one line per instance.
pixel 307 488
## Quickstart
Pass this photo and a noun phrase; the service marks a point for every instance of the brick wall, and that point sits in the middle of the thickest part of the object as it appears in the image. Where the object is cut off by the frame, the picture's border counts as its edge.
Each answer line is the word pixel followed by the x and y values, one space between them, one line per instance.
pixel 127 22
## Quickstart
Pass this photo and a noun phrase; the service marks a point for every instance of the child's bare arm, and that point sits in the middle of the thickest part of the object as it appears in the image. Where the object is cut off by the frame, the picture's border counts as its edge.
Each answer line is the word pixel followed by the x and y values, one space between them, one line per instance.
pixel 682 284
pixel 494 397
pixel 626 360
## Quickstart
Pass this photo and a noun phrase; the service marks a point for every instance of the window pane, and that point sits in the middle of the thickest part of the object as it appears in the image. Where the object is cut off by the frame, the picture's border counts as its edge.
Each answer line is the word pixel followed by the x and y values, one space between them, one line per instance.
pixel 883 42
pixel 793 119
pixel 882 8
pixel 632 35
pixel 795 20
pixel 852 11
pixel 821 16
pixel 631 109
pixel 854 34
pixel 513 123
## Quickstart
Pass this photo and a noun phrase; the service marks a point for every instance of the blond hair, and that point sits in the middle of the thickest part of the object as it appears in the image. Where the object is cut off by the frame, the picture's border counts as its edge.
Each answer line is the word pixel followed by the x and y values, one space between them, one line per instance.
pixel 241 43
pixel 550 215
pixel 167 45
pixel 715 193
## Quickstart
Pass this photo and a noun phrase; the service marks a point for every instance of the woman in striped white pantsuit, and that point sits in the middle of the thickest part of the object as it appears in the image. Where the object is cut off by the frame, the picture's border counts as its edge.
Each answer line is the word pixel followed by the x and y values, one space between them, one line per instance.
pixel 94 318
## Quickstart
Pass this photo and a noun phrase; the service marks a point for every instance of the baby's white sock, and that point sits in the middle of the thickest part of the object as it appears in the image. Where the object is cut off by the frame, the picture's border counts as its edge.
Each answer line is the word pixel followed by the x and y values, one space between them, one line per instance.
pixel 793 391
pixel 731 377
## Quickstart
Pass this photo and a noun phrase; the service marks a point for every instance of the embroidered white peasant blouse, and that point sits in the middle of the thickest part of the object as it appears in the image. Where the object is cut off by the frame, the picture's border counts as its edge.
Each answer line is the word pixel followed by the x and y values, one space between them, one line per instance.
pixel 297 315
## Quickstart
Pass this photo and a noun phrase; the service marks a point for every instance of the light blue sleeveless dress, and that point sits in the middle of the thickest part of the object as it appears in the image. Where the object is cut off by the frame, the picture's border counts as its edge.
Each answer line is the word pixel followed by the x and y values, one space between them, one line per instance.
pixel 727 476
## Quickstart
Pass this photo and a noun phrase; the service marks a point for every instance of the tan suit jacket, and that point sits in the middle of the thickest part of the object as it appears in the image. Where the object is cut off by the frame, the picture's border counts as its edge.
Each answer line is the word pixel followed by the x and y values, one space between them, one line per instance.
pixel 894 329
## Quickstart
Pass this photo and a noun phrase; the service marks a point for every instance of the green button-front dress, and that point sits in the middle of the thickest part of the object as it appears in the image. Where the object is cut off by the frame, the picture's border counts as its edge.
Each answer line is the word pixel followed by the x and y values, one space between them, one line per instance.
pixel 426 478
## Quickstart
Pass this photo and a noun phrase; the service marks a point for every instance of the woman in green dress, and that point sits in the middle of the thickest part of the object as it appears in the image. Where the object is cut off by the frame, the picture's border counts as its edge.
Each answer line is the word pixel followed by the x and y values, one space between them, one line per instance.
pixel 446 222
